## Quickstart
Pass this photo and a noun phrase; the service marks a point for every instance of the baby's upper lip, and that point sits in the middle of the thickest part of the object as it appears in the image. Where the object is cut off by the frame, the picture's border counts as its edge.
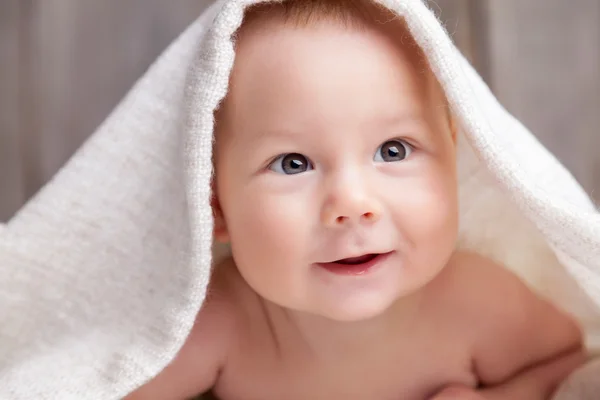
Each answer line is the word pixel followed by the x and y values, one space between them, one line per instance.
pixel 356 255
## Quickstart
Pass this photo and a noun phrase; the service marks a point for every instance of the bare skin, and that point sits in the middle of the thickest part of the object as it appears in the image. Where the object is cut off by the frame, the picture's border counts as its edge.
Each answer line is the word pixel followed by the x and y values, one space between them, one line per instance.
pixel 509 341
pixel 430 323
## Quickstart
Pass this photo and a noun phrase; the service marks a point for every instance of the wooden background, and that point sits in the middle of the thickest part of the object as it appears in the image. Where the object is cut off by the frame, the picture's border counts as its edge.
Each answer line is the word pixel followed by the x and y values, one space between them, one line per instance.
pixel 64 64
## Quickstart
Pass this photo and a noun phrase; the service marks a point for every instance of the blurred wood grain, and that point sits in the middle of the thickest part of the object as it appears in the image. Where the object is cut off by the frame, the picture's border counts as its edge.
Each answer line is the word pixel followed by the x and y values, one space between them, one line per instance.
pixel 545 58
pixel 84 57
pixel 12 191
pixel 65 64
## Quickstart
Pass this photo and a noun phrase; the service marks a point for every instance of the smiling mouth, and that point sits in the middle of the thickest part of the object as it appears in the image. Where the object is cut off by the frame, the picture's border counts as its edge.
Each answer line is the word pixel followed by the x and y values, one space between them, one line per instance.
pixel 356 260
pixel 360 265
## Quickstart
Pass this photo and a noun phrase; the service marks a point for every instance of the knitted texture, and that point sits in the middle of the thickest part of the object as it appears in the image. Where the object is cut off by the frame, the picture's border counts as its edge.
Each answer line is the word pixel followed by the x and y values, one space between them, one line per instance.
pixel 104 270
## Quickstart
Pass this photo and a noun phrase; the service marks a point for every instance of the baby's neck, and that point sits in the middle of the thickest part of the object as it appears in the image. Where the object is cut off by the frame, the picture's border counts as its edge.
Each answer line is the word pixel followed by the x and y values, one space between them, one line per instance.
pixel 332 340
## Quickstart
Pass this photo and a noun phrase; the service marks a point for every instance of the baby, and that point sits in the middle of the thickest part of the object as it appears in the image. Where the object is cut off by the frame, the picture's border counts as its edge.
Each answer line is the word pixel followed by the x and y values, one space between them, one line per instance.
pixel 336 187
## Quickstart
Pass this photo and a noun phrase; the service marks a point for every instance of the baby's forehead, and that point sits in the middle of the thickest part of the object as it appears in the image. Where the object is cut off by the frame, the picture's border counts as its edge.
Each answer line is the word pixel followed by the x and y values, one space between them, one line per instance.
pixel 304 17
pixel 263 19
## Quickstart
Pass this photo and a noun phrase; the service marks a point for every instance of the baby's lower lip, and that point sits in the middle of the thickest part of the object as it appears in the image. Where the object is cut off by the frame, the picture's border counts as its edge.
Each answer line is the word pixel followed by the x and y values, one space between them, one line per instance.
pixel 356 266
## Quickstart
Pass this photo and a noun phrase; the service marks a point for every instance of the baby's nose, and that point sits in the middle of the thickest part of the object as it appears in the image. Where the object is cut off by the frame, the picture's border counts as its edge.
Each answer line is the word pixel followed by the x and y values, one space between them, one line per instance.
pixel 363 218
pixel 351 209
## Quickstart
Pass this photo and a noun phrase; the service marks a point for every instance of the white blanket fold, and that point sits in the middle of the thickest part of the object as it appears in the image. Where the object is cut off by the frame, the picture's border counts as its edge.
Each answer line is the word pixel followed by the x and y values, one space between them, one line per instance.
pixel 104 270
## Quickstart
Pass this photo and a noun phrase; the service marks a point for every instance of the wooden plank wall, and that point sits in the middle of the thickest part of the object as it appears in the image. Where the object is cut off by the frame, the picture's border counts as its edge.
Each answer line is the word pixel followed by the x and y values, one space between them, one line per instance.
pixel 64 64
pixel 545 60
pixel 11 182
pixel 542 60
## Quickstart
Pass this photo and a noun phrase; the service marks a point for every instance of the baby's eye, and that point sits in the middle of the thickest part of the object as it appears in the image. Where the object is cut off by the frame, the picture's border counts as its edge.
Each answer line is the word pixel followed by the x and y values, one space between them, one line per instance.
pixel 290 164
pixel 392 150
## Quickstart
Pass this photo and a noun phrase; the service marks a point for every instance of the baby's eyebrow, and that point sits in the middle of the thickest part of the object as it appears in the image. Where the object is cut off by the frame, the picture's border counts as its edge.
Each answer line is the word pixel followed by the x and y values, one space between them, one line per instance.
pixel 277 134
pixel 401 120
pixel 396 120
pixel 270 135
pixel 400 117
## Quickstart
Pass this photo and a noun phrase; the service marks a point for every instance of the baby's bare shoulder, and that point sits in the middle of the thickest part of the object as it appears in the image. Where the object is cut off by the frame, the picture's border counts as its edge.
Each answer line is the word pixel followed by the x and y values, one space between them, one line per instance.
pixel 219 304
pixel 510 327
pixel 474 287
pixel 491 297
pixel 474 283
pixel 220 317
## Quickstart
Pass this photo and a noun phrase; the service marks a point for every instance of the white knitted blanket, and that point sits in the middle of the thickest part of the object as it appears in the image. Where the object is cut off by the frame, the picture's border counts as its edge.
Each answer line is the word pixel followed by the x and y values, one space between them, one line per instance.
pixel 103 272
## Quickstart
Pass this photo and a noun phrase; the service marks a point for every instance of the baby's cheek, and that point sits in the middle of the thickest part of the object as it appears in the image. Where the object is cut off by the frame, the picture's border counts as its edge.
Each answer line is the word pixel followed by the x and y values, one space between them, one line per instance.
pixel 269 245
pixel 271 226
pixel 430 212
pixel 432 233
pixel 441 217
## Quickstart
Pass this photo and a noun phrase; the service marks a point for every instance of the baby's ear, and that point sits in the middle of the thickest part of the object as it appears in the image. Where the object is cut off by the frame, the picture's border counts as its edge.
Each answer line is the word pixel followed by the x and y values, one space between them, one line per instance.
pixel 453 128
pixel 452 125
pixel 220 232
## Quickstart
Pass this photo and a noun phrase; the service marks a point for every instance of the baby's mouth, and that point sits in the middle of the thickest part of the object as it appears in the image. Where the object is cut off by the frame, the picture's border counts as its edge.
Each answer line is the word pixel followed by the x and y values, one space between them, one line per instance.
pixel 356 260
pixel 360 265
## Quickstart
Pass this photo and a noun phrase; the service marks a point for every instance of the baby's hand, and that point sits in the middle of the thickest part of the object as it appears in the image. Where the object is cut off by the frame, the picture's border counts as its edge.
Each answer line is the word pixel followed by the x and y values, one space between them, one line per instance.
pixel 457 392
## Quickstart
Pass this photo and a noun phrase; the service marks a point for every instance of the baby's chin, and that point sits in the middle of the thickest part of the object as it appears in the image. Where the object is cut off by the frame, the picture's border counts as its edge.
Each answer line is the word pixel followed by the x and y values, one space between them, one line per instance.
pixel 363 312
pixel 360 307
pixel 367 303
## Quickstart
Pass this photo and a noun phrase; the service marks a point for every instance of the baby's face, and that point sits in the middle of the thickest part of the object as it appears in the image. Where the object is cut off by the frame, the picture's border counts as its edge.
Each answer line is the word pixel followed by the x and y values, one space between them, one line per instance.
pixel 334 143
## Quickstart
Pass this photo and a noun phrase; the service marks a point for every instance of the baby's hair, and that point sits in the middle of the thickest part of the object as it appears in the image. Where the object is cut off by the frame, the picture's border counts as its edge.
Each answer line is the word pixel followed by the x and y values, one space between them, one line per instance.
pixel 301 13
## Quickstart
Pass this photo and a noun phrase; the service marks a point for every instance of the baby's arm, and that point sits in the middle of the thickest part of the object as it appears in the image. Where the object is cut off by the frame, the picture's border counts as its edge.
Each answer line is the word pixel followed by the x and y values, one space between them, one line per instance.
pixel 524 346
pixel 196 367
pixel 537 382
